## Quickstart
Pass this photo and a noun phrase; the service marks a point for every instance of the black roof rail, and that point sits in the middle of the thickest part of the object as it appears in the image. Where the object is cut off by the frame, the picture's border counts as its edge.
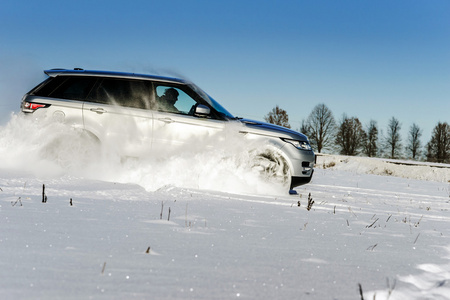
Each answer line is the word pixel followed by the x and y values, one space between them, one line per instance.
pixel 80 71
pixel 62 69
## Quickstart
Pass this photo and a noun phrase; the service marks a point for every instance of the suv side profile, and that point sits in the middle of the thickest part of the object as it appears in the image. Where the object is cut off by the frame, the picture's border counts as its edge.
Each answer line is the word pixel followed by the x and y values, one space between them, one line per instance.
pixel 162 114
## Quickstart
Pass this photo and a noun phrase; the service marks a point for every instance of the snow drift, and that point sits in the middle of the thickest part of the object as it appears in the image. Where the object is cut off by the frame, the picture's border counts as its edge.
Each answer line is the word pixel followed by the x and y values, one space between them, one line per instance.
pixel 386 167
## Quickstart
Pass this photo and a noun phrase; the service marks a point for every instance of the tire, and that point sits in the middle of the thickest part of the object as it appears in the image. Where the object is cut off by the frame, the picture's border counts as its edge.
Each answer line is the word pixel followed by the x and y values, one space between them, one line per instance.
pixel 272 167
pixel 72 150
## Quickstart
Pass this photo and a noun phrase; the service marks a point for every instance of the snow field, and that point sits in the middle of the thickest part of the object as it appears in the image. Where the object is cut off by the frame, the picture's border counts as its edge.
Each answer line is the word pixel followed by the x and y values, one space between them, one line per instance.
pixel 390 235
pixel 362 229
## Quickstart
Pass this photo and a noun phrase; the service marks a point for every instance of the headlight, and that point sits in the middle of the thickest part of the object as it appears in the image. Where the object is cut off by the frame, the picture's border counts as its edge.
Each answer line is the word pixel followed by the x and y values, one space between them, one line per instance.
pixel 302 145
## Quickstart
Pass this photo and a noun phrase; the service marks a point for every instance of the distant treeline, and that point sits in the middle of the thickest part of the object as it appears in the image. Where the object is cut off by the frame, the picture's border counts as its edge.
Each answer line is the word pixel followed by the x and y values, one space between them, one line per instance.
pixel 349 137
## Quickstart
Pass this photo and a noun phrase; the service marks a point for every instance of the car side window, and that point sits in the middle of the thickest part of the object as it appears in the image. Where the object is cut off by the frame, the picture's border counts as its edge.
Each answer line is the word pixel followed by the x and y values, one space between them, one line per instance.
pixel 129 93
pixel 175 100
pixel 63 87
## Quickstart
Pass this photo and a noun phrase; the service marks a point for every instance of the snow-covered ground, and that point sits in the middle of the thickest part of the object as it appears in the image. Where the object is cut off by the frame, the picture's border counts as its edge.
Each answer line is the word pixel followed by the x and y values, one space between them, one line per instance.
pixel 200 228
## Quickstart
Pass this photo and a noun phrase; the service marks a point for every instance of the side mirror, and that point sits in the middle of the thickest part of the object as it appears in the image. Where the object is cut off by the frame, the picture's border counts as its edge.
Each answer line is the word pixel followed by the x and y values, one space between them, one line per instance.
pixel 202 111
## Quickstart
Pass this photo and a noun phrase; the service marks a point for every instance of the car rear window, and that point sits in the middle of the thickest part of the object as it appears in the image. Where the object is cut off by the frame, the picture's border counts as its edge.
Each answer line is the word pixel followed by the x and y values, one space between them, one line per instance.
pixel 129 93
pixel 65 87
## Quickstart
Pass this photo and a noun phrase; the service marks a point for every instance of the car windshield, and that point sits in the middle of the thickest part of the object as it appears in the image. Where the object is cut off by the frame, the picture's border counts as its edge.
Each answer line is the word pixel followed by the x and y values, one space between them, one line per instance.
pixel 219 108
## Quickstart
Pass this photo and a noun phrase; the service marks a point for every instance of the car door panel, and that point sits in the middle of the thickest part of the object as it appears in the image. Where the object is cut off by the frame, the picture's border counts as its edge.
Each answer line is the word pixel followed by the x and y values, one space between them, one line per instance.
pixel 172 132
pixel 118 113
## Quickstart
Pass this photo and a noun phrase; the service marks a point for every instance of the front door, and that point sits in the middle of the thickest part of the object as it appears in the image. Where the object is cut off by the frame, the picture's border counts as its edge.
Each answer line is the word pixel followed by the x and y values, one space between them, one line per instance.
pixel 175 126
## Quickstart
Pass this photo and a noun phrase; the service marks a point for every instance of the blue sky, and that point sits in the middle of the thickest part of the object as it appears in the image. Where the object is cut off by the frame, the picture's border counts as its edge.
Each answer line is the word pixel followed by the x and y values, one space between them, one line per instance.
pixel 368 59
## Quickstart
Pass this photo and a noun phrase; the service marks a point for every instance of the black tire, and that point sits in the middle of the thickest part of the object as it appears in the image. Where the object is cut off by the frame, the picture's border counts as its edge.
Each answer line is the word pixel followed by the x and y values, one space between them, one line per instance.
pixel 272 167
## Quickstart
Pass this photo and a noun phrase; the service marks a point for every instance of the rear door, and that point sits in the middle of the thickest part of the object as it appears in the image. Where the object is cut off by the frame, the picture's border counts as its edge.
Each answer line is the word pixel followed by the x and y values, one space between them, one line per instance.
pixel 119 112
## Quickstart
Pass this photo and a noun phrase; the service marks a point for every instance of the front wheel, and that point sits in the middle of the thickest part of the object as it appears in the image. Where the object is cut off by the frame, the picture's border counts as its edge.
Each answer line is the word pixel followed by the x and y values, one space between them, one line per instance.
pixel 272 167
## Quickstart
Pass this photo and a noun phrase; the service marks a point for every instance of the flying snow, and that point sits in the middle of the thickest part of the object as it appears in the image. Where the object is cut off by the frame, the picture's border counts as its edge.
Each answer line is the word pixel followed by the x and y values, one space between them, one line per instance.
pixel 49 149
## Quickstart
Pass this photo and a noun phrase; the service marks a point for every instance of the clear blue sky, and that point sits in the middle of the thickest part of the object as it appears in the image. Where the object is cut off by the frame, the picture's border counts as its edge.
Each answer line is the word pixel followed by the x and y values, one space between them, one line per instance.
pixel 368 59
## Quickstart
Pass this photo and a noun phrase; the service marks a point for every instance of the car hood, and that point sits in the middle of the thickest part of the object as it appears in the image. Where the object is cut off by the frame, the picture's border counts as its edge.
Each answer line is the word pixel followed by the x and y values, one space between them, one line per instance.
pixel 267 129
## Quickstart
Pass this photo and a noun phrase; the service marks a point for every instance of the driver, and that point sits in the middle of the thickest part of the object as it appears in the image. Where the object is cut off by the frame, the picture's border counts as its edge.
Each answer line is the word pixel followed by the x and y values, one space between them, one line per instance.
pixel 168 100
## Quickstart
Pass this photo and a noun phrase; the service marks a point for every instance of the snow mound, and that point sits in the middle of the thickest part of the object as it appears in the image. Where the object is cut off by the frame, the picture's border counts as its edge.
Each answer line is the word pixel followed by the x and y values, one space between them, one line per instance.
pixel 385 167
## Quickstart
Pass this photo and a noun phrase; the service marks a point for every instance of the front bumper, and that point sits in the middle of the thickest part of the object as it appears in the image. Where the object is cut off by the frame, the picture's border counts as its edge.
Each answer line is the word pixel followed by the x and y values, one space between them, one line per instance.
pixel 297 181
pixel 302 165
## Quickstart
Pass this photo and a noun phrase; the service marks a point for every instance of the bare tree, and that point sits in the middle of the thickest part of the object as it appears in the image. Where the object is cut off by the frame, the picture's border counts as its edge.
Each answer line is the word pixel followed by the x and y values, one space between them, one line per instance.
pixel 439 145
pixel 414 143
pixel 304 128
pixel 382 138
pixel 278 116
pixel 350 136
pixel 393 138
pixel 321 126
pixel 370 144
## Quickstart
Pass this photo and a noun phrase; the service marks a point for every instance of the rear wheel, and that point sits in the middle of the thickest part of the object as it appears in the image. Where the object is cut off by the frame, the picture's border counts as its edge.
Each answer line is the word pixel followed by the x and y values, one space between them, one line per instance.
pixel 72 150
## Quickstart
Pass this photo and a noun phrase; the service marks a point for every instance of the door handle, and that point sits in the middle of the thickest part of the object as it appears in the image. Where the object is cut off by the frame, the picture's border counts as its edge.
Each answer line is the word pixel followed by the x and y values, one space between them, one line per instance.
pixel 98 110
pixel 166 120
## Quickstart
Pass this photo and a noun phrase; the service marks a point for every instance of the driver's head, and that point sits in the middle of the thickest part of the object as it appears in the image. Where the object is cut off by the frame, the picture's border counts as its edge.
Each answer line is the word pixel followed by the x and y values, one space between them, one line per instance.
pixel 171 95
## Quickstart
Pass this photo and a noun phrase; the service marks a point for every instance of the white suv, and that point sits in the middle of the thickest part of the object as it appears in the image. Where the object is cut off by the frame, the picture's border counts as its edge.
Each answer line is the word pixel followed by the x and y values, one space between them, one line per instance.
pixel 161 113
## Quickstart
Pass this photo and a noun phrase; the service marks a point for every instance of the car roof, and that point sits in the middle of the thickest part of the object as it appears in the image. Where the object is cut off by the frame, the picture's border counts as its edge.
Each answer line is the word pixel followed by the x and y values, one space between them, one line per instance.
pixel 97 73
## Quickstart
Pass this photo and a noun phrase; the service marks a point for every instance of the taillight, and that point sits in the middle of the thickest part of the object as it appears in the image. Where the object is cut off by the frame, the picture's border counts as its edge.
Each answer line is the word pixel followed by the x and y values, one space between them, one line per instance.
pixel 33 106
